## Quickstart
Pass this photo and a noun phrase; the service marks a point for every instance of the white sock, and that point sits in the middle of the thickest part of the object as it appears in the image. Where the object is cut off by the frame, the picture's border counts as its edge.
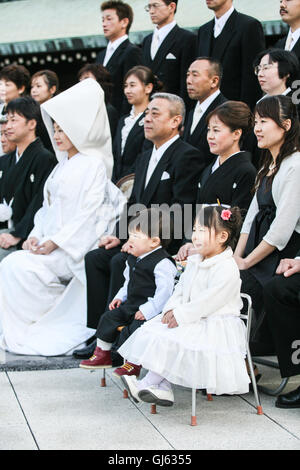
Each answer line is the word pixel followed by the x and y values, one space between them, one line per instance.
pixel 103 345
pixel 150 379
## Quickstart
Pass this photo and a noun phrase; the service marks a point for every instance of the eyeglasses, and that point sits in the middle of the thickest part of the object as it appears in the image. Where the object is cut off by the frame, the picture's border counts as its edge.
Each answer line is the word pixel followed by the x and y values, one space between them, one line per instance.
pixel 263 68
pixel 155 6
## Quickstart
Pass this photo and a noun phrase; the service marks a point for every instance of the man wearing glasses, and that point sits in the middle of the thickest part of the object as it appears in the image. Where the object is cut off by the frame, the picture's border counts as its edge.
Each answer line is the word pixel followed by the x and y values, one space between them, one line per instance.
pixel 170 50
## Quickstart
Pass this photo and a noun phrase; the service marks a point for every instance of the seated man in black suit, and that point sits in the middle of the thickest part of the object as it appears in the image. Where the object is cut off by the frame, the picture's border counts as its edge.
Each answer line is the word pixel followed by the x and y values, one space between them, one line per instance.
pixel 168 174
pixel 120 55
pixel 169 51
pixel 290 14
pixel 203 84
pixel 235 40
pixel 282 306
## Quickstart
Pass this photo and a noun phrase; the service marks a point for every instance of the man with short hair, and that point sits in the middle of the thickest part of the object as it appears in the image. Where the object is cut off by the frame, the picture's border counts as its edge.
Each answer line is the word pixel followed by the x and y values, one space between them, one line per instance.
pixel 120 55
pixel 6 145
pixel 290 14
pixel 167 174
pixel 23 174
pixel 234 39
pixel 203 85
pixel 169 51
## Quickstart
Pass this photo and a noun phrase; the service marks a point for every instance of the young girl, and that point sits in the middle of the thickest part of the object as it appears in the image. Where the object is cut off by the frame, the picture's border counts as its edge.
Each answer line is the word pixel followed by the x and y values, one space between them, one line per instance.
pixel 199 340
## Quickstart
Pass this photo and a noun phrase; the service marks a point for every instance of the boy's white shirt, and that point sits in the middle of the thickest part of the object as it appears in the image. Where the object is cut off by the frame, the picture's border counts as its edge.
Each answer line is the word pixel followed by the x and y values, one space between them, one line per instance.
pixel 207 288
pixel 164 274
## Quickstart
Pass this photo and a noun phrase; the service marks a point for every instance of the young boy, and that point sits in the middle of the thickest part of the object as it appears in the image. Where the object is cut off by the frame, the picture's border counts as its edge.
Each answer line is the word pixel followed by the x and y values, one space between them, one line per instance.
pixel 149 283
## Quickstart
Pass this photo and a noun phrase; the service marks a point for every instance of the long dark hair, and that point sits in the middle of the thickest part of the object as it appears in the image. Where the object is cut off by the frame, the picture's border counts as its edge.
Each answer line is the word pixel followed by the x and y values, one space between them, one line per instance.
pixel 279 108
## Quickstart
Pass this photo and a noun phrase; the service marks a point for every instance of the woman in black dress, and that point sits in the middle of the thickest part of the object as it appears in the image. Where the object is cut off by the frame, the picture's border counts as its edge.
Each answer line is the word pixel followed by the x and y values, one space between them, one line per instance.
pixel 230 177
pixel 271 230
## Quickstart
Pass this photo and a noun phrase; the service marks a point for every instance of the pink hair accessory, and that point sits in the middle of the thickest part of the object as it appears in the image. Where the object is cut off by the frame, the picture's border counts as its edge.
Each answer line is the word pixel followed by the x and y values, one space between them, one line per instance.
pixel 226 214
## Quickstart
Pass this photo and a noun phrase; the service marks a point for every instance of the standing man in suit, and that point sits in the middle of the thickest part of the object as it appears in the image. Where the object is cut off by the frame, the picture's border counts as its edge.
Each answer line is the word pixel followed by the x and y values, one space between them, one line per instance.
pixel 290 14
pixel 120 55
pixel 235 40
pixel 203 84
pixel 169 50
pixel 168 174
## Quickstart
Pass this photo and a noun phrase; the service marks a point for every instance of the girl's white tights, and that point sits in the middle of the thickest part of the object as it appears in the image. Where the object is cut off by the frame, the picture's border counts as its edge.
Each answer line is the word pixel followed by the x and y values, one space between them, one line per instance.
pixel 154 379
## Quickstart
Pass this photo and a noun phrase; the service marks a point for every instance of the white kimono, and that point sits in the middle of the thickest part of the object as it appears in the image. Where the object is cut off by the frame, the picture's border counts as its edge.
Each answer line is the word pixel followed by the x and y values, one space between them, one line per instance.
pixel 207 350
pixel 43 297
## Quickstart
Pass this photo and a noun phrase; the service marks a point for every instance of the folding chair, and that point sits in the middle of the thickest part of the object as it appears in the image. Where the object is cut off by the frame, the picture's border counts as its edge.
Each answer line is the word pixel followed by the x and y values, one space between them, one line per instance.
pixel 248 319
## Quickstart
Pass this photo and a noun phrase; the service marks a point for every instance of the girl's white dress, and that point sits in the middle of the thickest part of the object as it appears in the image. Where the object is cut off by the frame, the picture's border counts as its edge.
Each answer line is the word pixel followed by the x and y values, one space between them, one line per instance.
pixel 208 348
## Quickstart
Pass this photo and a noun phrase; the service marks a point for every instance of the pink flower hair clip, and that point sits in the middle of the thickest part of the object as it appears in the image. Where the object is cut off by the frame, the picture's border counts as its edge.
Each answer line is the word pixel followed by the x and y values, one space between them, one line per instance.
pixel 226 214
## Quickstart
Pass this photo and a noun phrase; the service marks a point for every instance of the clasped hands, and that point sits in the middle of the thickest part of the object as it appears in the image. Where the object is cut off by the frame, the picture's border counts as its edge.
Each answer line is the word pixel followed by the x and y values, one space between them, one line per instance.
pixel 32 245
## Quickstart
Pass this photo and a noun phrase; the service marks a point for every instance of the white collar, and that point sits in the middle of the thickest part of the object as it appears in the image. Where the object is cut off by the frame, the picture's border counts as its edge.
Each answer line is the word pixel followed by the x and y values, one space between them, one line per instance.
pixel 17 155
pixel 115 44
pixel 164 30
pixel 216 165
pixel 286 92
pixel 149 252
pixel 161 150
pixel 207 102
pixel 295 35
pixel 223 19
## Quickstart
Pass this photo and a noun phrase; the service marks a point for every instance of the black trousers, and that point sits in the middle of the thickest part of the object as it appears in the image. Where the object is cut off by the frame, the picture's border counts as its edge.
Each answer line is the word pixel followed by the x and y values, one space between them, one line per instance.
pixel 104 272
pixel 109 322
pixel 261 341
pixel 282 306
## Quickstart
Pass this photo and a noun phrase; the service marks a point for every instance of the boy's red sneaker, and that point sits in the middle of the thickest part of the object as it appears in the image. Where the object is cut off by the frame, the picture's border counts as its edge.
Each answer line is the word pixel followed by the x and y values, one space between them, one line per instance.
pixel 99 360
pixel 127 369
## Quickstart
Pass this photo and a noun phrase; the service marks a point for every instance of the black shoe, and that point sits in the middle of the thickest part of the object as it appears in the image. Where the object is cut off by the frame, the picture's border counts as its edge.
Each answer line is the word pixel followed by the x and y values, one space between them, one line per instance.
pixel 85 353
pixel 289 400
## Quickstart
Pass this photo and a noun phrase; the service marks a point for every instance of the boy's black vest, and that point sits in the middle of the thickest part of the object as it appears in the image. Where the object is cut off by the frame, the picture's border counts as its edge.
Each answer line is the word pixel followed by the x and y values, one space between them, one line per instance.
pixel 141 283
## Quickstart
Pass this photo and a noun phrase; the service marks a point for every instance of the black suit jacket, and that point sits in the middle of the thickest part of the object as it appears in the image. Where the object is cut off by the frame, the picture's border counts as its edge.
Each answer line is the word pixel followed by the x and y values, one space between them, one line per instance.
pixel 126 56
pixel 124 164
pixel 179 43
pixel 199 137
pixel 24 183
pixel 296 49
pixel 240 41
pixel 182 163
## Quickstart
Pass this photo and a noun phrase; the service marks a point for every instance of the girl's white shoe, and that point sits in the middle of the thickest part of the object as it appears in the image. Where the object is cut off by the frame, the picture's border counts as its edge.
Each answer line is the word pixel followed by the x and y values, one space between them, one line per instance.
pixel 130 383
pixel 157 396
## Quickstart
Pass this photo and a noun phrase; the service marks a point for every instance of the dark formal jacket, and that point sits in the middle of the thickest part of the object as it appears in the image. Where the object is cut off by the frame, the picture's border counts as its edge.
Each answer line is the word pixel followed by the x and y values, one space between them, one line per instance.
pixel 296 49
pixel 23 182
pixel 172 60
pixel 199 137
pixel 236 47
pixel 124 164
pixel 126 56
pixel 113 117
pixel 174 180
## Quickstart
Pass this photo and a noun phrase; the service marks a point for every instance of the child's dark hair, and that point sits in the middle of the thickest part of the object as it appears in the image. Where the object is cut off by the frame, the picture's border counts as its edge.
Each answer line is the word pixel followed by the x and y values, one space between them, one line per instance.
pixel 153 223
pixel 221 218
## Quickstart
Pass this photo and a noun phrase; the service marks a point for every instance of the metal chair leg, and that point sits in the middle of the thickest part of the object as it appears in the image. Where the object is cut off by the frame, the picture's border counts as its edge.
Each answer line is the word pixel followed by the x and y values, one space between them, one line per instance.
pixel 193 417
pixel 254 384
pixel 266 390
pixel 103 379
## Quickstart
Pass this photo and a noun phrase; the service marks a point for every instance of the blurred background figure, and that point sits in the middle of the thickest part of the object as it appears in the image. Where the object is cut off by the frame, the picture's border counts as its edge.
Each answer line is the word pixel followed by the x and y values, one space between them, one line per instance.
pixel 44 85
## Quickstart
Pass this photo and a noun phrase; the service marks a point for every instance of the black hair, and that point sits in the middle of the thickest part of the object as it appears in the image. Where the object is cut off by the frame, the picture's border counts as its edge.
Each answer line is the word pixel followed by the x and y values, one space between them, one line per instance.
pixel 288 63
pixel 28 108
pixel 222 218
pixel 153 223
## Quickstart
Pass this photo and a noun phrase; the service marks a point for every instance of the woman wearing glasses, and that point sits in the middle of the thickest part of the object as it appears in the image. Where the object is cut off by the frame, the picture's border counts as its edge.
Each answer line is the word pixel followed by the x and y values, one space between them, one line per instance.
pixel 230 177
pixel 276 71
pixel 271 230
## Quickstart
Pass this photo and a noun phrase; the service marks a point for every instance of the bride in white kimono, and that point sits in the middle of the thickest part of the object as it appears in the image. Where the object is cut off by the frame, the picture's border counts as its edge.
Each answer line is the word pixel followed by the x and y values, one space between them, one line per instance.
pixel 42 287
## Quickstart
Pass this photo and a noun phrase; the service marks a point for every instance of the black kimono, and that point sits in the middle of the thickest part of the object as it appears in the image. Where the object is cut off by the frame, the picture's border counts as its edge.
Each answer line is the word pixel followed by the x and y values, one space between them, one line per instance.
pixel 23 183
pixel 231 183
pixel 124 163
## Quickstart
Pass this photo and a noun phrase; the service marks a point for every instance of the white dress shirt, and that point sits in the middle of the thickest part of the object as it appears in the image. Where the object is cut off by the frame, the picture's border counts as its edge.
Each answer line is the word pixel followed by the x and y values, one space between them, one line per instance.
pixel 164 274
pixel 203 107
pixel 291 39
pixel 221 22
pixel 112 47
pixel 129 122
pixel 156 156
pixel 159 35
